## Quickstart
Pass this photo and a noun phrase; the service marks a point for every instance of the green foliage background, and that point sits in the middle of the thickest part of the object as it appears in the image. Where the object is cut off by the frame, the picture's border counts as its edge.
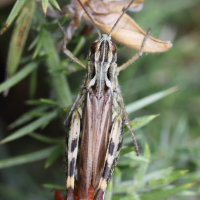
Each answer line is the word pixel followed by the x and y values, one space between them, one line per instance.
pixel 45 81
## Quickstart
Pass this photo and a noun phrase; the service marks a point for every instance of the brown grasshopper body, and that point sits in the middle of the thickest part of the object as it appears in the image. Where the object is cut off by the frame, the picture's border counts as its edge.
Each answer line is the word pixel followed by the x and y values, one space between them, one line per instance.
pixel 95 122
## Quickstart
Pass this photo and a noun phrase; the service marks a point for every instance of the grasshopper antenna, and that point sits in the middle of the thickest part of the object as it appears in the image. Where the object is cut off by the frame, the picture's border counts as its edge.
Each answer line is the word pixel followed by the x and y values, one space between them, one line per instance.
pixel 120 18
pixel 97 28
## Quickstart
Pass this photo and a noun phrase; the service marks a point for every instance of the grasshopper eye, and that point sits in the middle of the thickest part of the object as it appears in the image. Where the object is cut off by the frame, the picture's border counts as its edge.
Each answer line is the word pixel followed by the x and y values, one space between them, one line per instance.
pixel 94 47
pixel 113 48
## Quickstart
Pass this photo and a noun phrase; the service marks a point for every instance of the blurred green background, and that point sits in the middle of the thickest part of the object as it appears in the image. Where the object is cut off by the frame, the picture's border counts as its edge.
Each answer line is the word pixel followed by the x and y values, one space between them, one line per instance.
pixel 173 137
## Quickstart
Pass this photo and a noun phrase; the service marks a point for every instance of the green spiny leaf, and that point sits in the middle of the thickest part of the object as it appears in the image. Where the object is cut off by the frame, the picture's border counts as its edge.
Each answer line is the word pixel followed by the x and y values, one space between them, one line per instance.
pixel 46 139
pixel 108 195
pixel 30 127
pixel 15 11
pixel 53 186
pixel 52 26
pixel 59 81
pixel 143 167
pixel 18 76
pixel 140 122
pixel 26 158
pixel 158 173
pixel 48 101
pixel 127 150
pixel 63 19
pixel 55 4
pixel 158 182
pixel 19 37
pixel 39 44
pixel 45 6
pixel 34 102
pixel 137 105
pixel 33 83
pixel 53 156
pixel 36 112
pixel 164 193
pixel 34 42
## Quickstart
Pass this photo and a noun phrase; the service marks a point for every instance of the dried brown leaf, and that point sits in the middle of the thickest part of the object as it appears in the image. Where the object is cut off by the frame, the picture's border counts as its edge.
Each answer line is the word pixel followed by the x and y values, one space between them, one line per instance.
pixel 134 39
pixel 106 7
pixel 130 34
pixel 105 14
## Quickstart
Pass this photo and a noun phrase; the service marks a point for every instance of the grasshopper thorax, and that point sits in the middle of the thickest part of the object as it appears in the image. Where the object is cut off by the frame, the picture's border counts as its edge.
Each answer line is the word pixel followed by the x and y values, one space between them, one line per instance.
pixel 101 59
pixel 101 66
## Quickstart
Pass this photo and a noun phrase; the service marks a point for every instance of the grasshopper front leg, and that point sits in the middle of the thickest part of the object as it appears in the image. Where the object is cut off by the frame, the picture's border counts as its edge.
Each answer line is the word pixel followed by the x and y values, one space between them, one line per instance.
pixel 68 53
pixel 137 55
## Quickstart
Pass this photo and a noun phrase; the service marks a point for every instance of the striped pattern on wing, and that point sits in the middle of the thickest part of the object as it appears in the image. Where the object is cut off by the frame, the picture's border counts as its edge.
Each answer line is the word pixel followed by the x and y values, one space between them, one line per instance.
pixel 96 125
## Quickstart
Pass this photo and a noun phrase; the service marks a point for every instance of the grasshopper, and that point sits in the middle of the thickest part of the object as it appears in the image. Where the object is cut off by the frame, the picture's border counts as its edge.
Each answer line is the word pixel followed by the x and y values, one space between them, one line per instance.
pixel 95 120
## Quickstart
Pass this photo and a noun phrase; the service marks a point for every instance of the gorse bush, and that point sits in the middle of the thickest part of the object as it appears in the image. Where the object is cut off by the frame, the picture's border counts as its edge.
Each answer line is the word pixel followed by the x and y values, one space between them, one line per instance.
pixel 169 144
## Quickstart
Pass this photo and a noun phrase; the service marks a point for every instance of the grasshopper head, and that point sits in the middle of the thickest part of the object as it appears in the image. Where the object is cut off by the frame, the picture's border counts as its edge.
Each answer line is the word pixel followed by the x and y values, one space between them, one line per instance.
pixel 103 50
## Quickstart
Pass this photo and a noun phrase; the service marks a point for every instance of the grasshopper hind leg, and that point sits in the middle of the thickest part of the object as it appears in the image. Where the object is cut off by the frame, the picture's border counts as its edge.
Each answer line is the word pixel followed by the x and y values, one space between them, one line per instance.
pixel 112 155
pixel 71 153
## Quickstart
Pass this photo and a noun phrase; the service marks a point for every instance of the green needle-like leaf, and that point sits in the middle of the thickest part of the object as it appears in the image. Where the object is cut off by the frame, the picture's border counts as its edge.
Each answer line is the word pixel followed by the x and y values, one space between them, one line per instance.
pixel 47 139
pixel 55 4
pixel 132 185
pixel 39 44
pixel 34 43
pixel 127 150
pixel 59 81
pixel 137 105
pixel 51 102
pixel 52 26
pixel 42 101
pixel 164 193
pixel 53 156
pixel 45 6
pixel 140 122
pixel 19 37
pixel 18 76
pixel 143 167
pixel 36 112
pixel 26 158
pixel 158 174
pixel 15 11
pixel 63 19
pixel 108 195
pixel 134 157
pixel 79 46
pixel 33 84
pixel 30 127
pixel 158 182
pixel 53 186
